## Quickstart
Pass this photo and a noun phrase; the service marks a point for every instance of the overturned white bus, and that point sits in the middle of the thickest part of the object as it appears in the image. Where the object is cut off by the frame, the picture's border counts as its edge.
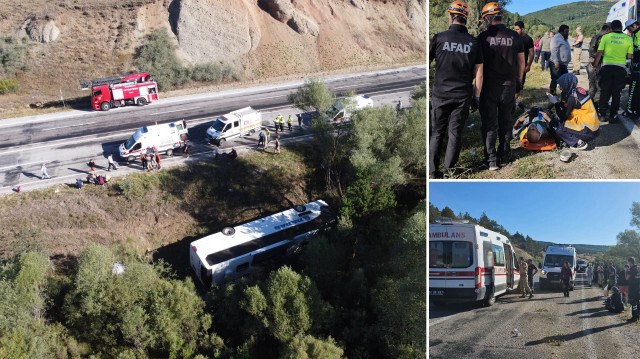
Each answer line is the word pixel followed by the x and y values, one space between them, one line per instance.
pixel 232 252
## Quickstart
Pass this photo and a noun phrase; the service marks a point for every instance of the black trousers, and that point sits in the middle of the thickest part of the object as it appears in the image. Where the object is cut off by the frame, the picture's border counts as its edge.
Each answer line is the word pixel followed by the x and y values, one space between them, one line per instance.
pixel 565 287
pixel 496 103
pixel 611 84
pixel 451 113
pixel 555 75
pixel 594 87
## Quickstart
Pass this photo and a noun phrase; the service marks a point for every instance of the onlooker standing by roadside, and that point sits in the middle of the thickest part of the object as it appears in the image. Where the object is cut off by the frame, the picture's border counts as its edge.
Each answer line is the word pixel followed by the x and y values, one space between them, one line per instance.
pixel 111 163
pixel 531 271
pixel 503 57
pixel 524 281
pixel 560 56
pixel 565 276
pixel 452 93
pixel 594 87
pixel 158 160
pixel 43 169
pixel 589 274
pixel 577 50
pixel 528 44
pixel 623 284
pixel 300 120
pixel 633 275
pixel 536 45
pixel 92 165
pixel 261 139
pixel 611 279
pixel 545 50
pixel 277 144
pixel 143 159
pixel 614 50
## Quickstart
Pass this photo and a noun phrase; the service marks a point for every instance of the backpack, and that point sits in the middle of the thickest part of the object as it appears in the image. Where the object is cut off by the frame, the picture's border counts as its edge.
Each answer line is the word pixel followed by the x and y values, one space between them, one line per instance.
pixel 79 183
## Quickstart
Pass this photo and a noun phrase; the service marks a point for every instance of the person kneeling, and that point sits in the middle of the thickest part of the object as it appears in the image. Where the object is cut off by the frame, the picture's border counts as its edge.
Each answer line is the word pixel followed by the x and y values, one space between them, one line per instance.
pixel 614 303
pixel 577 122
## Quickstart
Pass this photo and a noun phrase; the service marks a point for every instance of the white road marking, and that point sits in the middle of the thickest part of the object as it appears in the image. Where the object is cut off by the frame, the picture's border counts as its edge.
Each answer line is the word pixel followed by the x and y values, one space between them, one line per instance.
pixel 182 109
pixel 57 128
pixel 341 87
pixel 23 164
pixel 265 98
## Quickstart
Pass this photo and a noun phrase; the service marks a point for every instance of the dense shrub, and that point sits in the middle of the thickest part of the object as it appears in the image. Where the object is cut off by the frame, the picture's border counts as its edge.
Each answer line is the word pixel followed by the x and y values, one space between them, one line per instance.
pixel 8 86
pixel 12 54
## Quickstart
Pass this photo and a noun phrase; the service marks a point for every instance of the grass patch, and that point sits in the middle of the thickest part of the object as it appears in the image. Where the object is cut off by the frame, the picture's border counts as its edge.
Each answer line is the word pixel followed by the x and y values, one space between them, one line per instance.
pixel 533 166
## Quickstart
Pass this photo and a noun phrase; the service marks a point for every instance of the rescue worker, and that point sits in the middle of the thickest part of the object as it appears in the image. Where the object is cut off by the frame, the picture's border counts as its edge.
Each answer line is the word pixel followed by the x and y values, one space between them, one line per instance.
pixel 614 50
pixel 633 277
pixel 594 89
pixel 281 121
pixel 577 50
pixel 276 123
pixel 633 104
pixel 560 56
pixel 458 61
pixel 289 122
pixel 503 55
pixel 524 281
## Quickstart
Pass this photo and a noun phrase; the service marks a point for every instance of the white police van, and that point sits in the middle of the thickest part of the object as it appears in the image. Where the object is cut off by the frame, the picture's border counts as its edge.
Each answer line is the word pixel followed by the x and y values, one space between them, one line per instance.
pixel 469 263
pixel 554 259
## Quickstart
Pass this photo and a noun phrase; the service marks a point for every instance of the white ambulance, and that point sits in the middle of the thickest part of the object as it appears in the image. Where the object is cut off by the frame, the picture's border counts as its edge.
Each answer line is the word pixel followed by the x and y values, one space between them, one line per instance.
pixel 164 137
pixel 469 263
pixel 554 259
pixel 344 108
pixel 237 123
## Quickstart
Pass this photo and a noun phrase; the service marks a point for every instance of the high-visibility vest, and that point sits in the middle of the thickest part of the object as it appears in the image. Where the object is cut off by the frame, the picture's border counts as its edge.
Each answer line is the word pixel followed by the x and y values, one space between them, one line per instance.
pixel 289 119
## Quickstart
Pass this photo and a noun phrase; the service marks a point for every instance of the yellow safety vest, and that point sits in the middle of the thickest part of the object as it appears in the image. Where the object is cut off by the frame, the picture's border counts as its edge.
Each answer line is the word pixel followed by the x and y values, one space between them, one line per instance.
pixel 586 116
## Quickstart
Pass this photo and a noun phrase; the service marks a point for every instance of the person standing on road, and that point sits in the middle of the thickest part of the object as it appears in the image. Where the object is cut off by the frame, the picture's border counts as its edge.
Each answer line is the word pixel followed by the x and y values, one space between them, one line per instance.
pixel 536 45
pixel 261 139
pixel 458 62
pixel 623 284
pixel 503 57
pixel 528 44
pixel 111 163
pixel 577 50
pixel 560 56
pixel 143 159
pixel 43 169
pixel 524 282
pixel 216 152
pixel 277 144
pixel 633 276
pixel 589 274
pixel 300 120
pixel 545 51
pixel 267 137
pixel 289 122
pixel 565 276
pixel 158 160
pixel 614 50
pixel 594 88
pixel 531 271
pixel 611 279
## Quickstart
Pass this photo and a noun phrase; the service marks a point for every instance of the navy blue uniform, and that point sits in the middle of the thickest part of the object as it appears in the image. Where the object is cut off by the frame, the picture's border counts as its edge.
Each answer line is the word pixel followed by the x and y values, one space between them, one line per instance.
pixel 500 49
pixel 456 54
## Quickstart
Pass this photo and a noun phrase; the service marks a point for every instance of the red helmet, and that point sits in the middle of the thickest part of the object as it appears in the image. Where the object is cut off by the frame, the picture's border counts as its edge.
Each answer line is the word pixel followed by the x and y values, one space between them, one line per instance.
pixel 458 7
pixel 491 9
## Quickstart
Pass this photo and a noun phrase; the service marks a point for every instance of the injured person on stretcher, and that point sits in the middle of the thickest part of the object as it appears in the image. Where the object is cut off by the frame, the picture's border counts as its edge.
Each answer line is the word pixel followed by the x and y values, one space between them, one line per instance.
pixel 576 121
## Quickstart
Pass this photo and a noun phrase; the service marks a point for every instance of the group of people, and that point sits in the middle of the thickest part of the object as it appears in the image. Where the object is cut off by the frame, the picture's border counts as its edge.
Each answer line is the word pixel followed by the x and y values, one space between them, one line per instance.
pixel 264 137
pixel 526 277
pixel 487 73
pixel 623 282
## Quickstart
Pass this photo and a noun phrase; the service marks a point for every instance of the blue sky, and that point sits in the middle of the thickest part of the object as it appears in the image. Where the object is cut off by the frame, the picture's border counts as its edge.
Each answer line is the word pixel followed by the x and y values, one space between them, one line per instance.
pixel 524 7
pixel 564 212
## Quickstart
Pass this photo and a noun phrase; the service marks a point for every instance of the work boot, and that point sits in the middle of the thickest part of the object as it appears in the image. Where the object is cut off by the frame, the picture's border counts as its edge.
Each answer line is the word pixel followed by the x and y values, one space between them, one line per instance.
pixel 530 295
pixel 522 296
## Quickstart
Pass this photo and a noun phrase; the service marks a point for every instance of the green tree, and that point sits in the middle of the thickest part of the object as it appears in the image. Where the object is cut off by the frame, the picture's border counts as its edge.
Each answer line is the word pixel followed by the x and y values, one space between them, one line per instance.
pixel 308 347
pixel 313 96
pixel 447 213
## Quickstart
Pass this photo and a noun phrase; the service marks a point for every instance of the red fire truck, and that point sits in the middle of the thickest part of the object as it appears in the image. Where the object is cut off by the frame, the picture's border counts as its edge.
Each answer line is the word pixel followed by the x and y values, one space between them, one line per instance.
pixel 118 91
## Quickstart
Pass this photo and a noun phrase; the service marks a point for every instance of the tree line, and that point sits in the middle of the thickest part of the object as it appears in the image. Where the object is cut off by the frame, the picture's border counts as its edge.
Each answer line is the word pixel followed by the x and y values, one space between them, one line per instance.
pixel 356 291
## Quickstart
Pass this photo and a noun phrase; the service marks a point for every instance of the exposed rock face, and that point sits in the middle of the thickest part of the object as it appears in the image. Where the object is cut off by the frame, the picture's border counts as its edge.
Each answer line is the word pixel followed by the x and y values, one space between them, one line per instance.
pixel 210 30
pixel 39 30
pixel 283 11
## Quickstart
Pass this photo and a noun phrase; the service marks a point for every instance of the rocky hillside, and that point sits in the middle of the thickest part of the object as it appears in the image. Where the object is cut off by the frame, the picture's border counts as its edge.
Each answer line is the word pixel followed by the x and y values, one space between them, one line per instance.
pixel 262 39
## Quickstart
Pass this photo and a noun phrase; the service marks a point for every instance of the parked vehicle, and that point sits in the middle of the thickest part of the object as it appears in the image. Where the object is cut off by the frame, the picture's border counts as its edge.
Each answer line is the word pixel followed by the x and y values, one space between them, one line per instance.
pixel 469 263
pixel 582 266
pixel 165 138
pixel 554 259
pixel 237 123
pixel 622 10
pixel 118 91
pixel 234 251
pixel 343 109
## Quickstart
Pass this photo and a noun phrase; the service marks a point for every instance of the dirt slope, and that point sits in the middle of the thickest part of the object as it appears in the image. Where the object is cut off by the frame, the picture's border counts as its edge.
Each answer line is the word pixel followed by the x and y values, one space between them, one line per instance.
pixel 263 39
